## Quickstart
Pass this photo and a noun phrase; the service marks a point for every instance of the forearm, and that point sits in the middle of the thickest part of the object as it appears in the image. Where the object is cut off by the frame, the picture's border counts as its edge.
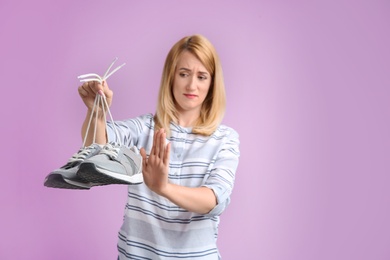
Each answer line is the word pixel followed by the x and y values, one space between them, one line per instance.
pixel 101 136
pixel 199 200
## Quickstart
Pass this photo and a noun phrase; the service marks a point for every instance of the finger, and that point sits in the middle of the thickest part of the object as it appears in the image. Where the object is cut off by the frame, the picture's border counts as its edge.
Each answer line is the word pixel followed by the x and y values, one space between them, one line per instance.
pixel 82 92
pixel 92 86
pixel 167 154
pixel 96 86
pixel 144 158
pixel 85 91
pixel 107 92
pixel 104 86
pixel 100 86
pixel 143 154
pixel 162 143
pixel 153 151
pixel 87 87
pixel 158 143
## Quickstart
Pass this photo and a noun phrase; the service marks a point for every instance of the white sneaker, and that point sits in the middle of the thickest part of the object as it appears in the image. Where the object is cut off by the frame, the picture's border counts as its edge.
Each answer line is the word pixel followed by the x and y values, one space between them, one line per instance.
pixel 115 164
pixel 66 178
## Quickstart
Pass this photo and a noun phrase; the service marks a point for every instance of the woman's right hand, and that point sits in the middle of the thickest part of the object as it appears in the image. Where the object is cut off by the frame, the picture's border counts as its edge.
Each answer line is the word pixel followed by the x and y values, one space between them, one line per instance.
pixel 88 92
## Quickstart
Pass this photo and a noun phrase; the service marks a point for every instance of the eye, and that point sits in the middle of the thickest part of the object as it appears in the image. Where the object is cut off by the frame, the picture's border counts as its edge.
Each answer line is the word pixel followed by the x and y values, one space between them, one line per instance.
pixel 202 77
pixel 183 75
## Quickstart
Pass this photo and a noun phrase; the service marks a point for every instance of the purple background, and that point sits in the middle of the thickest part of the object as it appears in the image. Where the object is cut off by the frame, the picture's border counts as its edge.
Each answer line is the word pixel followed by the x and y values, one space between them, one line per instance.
pixel 308 86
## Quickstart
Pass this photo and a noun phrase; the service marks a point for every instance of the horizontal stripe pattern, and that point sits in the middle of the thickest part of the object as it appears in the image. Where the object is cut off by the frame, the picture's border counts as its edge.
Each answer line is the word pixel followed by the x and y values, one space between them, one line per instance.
pixel 154 227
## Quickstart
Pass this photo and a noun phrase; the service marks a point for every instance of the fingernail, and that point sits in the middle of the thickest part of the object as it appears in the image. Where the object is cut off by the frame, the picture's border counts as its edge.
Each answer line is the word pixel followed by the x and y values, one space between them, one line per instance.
pixel 101 92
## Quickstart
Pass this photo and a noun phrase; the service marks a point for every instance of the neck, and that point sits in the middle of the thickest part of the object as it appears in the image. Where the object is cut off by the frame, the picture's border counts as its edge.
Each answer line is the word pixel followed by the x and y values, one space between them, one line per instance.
pixel 188 119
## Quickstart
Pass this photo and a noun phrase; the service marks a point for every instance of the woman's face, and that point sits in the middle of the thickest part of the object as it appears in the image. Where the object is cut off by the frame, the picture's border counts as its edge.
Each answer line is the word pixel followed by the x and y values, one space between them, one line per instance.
pixel 191 84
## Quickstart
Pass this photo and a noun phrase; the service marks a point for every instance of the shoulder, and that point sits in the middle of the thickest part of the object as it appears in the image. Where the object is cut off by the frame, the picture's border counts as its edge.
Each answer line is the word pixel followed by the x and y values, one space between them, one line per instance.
pixel 228 138
pixel 138 124
pixel 226 131
pixel 229 141
pixel 145 120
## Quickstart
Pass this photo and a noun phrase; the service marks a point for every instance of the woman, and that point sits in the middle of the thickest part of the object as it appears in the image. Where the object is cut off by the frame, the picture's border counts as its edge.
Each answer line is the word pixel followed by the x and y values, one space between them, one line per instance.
pixel 188 158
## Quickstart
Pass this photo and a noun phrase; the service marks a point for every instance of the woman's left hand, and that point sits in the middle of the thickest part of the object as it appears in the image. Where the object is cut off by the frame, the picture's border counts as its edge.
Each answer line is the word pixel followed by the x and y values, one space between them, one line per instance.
pixel 155 168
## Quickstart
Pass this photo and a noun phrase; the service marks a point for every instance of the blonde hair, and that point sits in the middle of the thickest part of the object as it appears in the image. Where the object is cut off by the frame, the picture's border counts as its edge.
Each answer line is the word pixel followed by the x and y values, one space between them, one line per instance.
pixel 213 107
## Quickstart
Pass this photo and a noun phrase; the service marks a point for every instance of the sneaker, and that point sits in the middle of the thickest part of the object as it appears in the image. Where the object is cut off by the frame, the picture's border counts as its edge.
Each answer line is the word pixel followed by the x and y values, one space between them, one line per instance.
pixel 115 164
pixel 66 178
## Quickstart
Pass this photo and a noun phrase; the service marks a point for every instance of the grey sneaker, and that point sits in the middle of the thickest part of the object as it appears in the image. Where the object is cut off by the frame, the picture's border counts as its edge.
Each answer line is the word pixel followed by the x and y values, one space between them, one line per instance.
pixel 66 178
pixel 115 164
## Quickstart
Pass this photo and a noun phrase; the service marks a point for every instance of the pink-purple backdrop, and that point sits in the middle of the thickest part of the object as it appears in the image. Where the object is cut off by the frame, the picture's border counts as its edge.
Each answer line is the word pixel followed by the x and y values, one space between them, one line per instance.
pixel 308 88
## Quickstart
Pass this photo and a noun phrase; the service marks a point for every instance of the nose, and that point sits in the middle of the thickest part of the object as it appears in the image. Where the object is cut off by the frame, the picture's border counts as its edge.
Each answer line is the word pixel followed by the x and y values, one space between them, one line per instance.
pixel 191 83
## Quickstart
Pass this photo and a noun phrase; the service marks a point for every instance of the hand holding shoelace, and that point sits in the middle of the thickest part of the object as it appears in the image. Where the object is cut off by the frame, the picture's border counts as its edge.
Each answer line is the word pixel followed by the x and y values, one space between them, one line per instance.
pixel 88 92
pixel 97 97
pixel 93 84
pixel 155 168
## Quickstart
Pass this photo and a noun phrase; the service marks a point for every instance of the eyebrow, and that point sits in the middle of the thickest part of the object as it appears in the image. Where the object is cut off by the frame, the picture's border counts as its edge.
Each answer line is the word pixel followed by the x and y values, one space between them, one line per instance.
pixel 201 72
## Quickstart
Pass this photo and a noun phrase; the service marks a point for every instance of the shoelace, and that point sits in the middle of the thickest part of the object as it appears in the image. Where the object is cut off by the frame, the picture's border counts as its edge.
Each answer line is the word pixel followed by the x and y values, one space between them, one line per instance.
pixel 111 150
pixel 84 151
pixel 95 77
pixel 101 98
pixel 95 104
pixel 82 154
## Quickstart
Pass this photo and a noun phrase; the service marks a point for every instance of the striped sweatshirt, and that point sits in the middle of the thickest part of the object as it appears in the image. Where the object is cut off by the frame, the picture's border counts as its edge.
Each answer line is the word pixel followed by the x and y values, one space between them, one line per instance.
pixel 155 228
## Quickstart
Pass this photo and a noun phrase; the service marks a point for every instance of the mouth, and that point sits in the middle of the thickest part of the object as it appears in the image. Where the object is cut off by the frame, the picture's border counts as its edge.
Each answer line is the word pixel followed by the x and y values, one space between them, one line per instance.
pixel 190 95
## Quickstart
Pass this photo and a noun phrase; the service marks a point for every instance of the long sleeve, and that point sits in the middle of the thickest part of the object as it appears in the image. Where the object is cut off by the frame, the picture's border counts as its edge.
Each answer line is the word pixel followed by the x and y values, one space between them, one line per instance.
pixel 222 175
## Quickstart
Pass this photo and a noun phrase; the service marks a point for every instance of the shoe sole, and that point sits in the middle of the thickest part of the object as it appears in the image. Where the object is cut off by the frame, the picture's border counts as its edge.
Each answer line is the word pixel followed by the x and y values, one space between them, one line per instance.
pixel 89 172
pixel 59 182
